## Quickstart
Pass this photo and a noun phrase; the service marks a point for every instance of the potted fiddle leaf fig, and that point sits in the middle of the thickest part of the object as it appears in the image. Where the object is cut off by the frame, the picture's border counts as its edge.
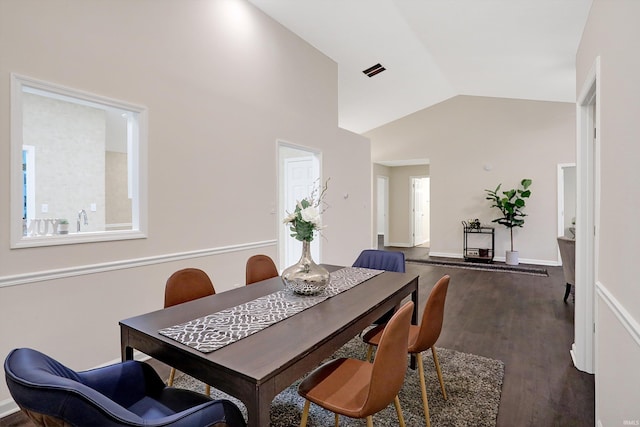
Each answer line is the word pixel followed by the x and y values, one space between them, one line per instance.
pixel 510 204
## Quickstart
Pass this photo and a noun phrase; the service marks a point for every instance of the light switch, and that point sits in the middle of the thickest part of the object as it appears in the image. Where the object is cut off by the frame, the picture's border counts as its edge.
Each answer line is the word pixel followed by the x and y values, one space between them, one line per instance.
pixel 93 207
pixel 44 208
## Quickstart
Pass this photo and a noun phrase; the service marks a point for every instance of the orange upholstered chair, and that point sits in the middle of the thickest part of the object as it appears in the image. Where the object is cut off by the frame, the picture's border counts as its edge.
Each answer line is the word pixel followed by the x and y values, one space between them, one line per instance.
pixel 357 388
pixel 260 267
pixel 422 337
pixel 186 285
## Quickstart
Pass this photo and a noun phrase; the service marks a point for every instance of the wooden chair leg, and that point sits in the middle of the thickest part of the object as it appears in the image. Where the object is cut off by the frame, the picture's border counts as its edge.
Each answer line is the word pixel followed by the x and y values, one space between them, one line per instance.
pixel 337 421
pixel 423 389
pixel 369 353
pixel 396 403
pixel 172 375
pixel 207 389
pixel 369 421
pixel 437 363
pixel 305 413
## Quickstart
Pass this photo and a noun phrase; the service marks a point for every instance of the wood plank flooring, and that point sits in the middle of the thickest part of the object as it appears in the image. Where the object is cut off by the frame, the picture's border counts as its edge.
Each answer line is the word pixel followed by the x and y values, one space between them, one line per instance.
pixel 519 319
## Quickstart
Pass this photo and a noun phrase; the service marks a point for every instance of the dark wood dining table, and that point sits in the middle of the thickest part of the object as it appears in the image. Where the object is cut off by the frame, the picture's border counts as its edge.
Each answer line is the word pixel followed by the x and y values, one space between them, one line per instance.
pixel 256 368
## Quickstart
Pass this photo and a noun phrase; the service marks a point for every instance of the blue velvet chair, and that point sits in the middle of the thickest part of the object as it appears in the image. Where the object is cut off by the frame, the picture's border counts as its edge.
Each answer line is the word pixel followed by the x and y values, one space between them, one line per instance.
pixel 378 259
pixel 124 394
pixel 381 260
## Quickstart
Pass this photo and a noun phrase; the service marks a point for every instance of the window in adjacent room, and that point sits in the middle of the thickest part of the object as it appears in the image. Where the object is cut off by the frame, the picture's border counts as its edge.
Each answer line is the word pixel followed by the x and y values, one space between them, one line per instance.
pixel 78 166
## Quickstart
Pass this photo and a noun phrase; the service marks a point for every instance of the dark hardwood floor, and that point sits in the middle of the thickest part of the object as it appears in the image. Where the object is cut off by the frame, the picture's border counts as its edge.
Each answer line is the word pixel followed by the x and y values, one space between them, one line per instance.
pixel 519 319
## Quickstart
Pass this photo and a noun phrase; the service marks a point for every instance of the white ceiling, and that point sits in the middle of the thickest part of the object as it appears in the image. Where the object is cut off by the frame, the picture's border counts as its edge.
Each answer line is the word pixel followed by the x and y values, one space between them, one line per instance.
pixel 436 49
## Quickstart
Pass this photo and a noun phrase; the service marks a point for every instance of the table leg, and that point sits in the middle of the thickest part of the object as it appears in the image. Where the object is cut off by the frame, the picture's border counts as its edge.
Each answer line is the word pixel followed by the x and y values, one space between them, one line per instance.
pixel 259 412
pixel 414 317
pixel 127 353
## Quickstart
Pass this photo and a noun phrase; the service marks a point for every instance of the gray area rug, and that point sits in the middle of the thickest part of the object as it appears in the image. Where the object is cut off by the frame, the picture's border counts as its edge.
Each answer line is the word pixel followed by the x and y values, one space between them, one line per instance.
pixel 473 385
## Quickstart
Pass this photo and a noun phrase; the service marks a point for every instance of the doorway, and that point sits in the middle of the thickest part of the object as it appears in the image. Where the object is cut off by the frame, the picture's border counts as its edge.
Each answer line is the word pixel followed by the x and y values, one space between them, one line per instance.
pixel 420 208
pixel 567 190
pixel 299 172
pixel 382 210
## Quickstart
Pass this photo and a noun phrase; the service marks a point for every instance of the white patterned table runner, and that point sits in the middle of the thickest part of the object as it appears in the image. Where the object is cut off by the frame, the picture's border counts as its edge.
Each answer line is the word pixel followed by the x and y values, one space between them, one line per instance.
pixel 216 330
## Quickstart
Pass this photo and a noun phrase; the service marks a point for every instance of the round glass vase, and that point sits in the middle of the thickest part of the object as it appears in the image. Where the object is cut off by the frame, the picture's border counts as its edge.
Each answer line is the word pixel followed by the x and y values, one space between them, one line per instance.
pixel 306 277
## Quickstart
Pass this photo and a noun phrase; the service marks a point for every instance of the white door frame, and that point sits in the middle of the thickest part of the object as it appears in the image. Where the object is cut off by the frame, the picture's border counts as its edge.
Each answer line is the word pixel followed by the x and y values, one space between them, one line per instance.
pixel 284 238
pixel 412 192
pixel 562 167
pixel 587 219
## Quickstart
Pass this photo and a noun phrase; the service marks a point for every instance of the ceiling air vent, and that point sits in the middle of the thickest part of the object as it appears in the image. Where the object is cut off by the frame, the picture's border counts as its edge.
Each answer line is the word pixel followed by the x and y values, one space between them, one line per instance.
pixel 372 71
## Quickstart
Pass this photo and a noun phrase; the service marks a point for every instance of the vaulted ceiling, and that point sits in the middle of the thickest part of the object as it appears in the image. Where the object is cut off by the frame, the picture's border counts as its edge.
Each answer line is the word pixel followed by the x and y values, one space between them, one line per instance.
pixel 433 50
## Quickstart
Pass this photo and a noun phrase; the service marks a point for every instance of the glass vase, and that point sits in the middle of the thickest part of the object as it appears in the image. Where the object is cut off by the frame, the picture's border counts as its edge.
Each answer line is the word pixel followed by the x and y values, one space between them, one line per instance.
pixel 306 277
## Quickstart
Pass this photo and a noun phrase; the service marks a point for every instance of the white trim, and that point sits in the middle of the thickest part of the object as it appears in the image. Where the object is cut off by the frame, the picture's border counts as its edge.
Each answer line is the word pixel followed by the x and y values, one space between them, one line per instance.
pixel 284 239
pixel 400 245
pixel 445 254
pixel 587 217
pixel 137 155
pixel 625 318
pixel 532 261
pixel 412 208
pixel 550 263
pixel 73 238
pixel 39 276
pixel 561 208
pixel 8 407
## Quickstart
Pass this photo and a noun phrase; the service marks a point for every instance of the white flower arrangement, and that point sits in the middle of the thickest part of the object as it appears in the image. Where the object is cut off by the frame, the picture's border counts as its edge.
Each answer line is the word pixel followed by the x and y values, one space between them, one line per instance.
pixel 305 220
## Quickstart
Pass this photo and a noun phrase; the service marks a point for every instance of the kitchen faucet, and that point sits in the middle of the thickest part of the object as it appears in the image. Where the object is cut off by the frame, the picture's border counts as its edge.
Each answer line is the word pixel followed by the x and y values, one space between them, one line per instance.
pixel 80 215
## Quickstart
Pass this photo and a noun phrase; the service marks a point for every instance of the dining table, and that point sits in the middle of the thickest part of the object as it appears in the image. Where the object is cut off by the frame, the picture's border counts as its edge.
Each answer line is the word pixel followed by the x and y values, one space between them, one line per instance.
pixel 258 366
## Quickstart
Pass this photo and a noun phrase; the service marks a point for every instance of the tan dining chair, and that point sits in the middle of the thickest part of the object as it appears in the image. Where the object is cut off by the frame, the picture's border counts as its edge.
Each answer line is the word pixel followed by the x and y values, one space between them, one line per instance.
pixel 421 337
pixel 183 286
pixel 356 388
pixel 260 267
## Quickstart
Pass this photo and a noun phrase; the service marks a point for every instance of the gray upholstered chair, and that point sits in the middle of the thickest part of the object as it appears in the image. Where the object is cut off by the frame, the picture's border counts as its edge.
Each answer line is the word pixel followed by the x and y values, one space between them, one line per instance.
pixel 568 255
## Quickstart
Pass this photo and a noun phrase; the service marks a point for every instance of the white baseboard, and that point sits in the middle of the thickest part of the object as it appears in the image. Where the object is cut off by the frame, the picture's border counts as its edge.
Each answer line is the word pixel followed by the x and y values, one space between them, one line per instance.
pixel 498 259
pixel 8 407
pixel 399 245
pixel 445 254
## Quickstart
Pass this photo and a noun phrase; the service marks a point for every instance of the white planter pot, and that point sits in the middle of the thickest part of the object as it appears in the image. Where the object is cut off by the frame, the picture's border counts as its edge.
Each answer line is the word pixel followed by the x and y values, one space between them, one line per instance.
pixel 512 258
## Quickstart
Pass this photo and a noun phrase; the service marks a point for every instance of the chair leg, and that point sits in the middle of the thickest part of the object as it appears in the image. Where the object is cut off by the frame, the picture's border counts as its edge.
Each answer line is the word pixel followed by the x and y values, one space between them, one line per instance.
pixel 437 363
pixel 305 413
pixel 337 421
pixel 172 375
pixel 567 291
pixel 369 421
pixel 369 353
pixel 396 403
pixel 207 389
pixel 423 389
